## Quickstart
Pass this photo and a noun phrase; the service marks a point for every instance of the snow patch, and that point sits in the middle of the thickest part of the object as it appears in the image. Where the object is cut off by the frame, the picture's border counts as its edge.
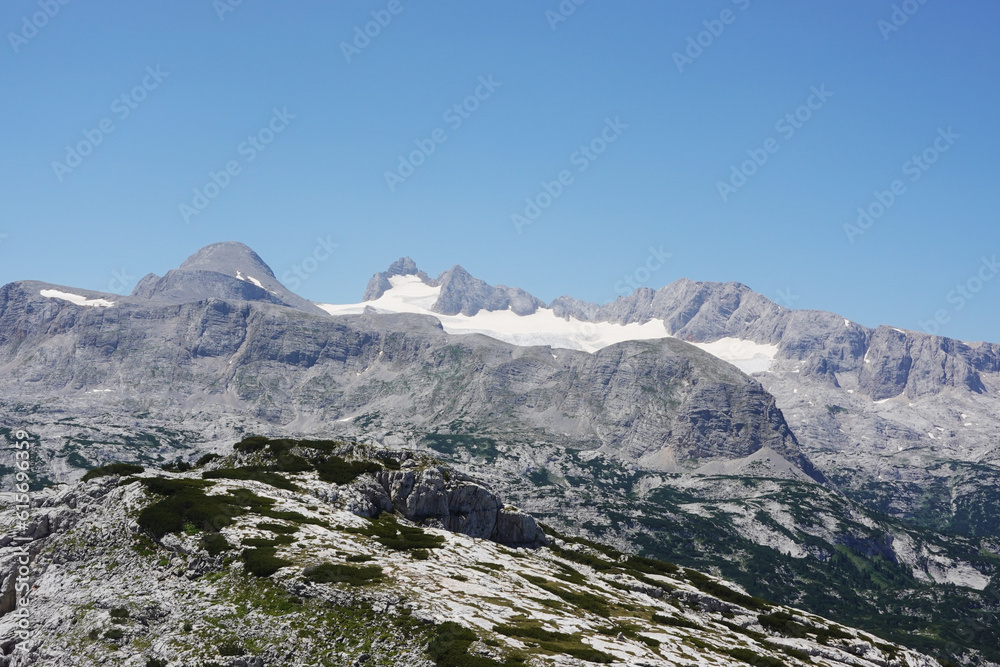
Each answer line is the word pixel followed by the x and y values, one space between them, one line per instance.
pixel 249 279
pixel 746 355
pixel 76 298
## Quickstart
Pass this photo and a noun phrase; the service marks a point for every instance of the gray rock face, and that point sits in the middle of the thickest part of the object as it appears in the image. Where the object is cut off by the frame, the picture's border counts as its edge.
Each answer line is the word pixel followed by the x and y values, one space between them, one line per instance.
pixel 458 504
pixel 462 293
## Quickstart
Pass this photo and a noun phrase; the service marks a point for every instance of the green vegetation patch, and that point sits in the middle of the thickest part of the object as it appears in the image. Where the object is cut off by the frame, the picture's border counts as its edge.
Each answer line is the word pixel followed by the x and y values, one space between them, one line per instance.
pixel 754 658
pixel 261 561
pixel 584 600
pixel 675 621
pixel 215 544
pixel 388 532
pixel 113 469
pixel 338 470
pixel 449 647
pixel 252 473
pixel 331 573
pixel 723 592
pixel 781 622
pixel 277 527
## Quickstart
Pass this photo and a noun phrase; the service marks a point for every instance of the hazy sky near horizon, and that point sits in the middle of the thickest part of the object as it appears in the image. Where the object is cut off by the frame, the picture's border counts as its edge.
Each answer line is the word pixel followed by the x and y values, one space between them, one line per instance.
pixel 830 155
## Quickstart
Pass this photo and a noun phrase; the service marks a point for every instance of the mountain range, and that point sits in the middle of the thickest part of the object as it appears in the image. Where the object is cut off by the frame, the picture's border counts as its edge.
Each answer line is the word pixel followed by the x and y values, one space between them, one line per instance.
pixel 849 471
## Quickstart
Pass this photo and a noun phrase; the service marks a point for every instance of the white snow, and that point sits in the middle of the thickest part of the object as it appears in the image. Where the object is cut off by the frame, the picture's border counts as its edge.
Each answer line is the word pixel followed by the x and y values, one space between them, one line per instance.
pixel 250 279
pixel 76 298
pixel 746 355
pixel 409 294
pixel 847 322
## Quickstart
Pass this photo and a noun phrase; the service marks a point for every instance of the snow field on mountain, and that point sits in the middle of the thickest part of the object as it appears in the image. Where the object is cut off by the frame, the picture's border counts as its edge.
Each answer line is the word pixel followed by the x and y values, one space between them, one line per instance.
pixel 409 294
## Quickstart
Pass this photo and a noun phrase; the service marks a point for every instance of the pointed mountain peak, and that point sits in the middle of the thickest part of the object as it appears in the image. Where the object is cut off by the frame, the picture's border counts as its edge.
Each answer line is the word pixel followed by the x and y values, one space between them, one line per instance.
pixel 379 283
pixel 228 270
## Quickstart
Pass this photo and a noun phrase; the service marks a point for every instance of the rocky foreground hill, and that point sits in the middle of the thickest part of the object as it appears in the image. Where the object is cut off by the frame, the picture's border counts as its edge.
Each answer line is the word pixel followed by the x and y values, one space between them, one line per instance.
pixel 327 553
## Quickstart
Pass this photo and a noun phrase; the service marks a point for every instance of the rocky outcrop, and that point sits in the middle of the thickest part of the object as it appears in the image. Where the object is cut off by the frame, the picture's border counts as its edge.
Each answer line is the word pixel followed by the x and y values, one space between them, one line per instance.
pixel 465 294
pixel 455 502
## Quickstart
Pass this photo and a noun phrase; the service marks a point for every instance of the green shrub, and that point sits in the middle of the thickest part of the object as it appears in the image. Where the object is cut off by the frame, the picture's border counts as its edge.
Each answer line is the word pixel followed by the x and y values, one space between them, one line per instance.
pixel 587 601
pixel 358 558
pixel 265 542
pixel 215 544
pixel 675 621
pixel 390 533
pixel 119 612
pixel 330 573
pixel 185 503
pixel 723 592
pixel 450 648
pixel 581 652
pixel 114 634
pixel 252 473
pixel 650 566
pixel 230 648
pixel 788 650
pixel 156 662
pixel 420 554
pixel 277 527
pixel 261 562
pixel 532 632
pixel 253 443
pixel 113 469
pixel 338 470
pixel 753 658
pixel 205 459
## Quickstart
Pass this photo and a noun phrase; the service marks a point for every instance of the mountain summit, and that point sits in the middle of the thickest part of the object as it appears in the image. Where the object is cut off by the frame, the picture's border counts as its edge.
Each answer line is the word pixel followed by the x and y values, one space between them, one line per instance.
pixel 227 270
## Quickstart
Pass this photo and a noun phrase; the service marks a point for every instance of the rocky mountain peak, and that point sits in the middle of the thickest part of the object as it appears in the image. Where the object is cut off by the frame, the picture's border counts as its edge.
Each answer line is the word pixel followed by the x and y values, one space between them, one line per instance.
pixel 461 292
pixel 228 270
pixel 228 257
pixel 379 283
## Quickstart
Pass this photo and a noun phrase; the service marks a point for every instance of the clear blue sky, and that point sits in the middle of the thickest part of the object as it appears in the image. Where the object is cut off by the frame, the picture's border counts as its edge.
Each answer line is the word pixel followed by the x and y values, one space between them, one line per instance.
pixel 657 184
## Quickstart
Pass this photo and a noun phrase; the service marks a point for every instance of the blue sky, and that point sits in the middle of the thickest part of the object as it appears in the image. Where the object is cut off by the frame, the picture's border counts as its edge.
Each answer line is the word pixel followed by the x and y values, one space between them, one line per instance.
pixel 202 86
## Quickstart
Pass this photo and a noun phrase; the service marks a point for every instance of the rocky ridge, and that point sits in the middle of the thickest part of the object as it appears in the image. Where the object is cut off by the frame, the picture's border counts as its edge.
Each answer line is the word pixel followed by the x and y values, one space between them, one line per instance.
pixel 296 578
